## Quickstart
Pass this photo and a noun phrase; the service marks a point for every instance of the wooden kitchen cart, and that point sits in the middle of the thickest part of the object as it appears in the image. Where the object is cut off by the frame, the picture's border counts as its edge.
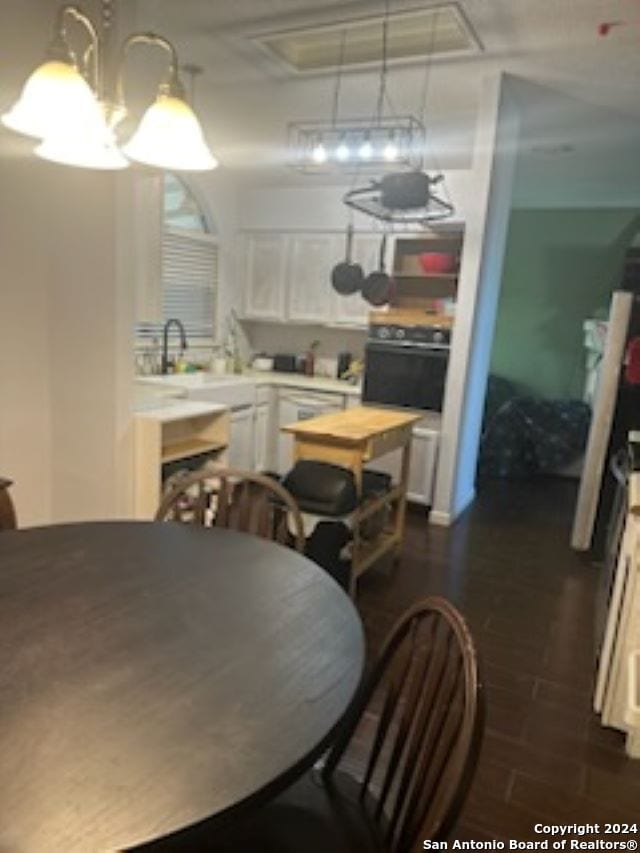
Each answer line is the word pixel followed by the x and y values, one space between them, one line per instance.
pixel 351 439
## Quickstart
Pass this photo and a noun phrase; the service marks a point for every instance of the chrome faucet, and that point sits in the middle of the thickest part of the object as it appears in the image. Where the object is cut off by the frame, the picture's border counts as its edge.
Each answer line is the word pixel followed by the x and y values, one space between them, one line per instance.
pixel 164 366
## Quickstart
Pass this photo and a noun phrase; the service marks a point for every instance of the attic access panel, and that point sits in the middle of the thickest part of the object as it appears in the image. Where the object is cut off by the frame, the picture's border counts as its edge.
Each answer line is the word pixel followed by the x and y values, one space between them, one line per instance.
pixel 436 31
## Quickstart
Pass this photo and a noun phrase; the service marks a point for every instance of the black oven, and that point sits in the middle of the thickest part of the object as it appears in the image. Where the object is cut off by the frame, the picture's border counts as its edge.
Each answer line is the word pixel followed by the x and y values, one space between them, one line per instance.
pixel 406 366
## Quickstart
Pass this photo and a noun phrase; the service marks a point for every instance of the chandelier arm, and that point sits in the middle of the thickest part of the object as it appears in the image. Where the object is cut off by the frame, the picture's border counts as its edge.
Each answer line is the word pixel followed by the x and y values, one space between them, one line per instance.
pixel 174 85
pixel 93 50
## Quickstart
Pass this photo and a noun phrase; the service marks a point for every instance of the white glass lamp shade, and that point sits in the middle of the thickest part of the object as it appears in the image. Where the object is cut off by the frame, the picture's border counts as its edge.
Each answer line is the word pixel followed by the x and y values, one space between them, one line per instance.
pixel 84 140
pixel 84 151
pixel 170 137
pixel 55 94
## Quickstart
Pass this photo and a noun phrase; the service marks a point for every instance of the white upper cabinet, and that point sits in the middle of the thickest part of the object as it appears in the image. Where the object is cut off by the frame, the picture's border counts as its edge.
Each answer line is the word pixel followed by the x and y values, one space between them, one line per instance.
pixel 309 293
pixel 266 256
pixel 288 277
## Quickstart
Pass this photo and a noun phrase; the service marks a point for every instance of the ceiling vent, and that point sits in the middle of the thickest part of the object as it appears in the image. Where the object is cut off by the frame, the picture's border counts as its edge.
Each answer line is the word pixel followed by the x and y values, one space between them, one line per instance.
pixel 439 31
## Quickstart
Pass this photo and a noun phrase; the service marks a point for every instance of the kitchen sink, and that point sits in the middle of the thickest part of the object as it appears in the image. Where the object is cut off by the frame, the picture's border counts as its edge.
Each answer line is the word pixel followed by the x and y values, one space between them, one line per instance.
pixel 231 390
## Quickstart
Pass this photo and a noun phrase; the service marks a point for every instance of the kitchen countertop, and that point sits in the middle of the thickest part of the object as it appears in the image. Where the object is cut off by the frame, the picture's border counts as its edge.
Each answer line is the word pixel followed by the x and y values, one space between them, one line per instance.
pixel 177 410
pixel 180 384
pixel 299 380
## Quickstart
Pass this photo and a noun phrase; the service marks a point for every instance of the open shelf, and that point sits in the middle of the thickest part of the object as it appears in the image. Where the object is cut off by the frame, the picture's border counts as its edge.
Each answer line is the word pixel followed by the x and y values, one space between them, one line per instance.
pixel 370 551
pixel 188 447
pixel 420 292
pixel 167 436
pixel 443 276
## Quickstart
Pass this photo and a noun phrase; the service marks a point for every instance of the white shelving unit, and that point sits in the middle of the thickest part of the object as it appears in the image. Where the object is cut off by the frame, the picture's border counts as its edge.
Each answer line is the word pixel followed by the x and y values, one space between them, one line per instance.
pixel 169 434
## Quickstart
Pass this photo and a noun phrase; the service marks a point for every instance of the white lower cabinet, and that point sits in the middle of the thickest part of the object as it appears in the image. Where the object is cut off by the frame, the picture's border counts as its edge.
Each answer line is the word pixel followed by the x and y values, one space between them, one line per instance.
pixel 261 439
pixel 299 404
pixel 241 439
pixel 422 470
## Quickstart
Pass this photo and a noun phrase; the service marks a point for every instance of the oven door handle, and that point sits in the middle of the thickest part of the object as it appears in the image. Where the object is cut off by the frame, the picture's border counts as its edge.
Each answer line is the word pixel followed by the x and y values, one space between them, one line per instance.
pixel 406 347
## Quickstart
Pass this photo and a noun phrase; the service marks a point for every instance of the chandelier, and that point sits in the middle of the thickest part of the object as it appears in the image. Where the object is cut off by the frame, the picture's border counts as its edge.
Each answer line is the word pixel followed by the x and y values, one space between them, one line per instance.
pixel 70 107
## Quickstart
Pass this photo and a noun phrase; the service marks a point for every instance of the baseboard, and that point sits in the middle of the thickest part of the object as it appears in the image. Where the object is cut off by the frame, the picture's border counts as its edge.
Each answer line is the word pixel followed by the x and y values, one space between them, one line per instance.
pixel 442 519
pixel 446 519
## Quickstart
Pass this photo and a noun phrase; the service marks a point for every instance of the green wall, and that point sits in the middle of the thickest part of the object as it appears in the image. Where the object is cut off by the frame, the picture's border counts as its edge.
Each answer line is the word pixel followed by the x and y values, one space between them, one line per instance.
pixel 560 268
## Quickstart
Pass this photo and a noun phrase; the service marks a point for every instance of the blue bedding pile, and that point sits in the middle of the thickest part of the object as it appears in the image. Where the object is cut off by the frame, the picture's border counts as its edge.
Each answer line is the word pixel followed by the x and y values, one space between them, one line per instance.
pixel 523 436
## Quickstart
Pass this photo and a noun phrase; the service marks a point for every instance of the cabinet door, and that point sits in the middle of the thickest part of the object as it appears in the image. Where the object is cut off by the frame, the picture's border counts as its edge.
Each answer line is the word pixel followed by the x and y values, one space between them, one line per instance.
pixel 296 406
pixel 353 310
pixel 261 438
pixel 424 451
pixel 266 275
pixel 309 279
pixel 241 439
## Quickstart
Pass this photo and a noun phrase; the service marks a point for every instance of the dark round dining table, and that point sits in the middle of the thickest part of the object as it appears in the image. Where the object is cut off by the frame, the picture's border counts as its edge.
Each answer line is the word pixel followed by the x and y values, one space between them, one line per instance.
pixel 154 676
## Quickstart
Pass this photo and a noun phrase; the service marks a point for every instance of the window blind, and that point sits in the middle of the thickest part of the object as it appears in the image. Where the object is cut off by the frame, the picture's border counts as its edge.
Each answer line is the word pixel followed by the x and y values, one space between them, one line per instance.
pixel 190 281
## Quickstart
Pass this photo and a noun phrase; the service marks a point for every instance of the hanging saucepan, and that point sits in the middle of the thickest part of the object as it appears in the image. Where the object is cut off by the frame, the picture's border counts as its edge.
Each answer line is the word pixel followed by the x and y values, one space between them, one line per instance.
pixel 405 190
pixel 378 285
pixel 347 277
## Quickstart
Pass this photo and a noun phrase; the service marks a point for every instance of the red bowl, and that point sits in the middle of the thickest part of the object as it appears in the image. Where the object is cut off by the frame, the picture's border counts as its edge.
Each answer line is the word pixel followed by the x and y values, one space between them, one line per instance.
pixel 438 262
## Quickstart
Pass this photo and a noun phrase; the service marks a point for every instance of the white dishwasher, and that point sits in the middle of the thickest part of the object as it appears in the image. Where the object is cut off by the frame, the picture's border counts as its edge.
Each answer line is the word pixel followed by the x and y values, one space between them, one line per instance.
pixel 299 405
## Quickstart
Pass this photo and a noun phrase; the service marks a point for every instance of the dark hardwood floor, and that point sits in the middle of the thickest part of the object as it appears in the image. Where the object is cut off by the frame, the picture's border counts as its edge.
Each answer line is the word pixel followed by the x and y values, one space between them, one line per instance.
pixel 529 601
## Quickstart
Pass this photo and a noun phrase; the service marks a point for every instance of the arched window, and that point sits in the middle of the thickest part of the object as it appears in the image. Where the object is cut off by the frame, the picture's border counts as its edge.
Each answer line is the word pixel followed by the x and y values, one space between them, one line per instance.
pixel 189 262
pixel 180 207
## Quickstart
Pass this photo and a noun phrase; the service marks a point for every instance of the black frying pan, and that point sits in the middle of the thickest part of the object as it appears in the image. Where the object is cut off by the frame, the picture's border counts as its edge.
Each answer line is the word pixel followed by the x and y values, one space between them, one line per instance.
pixel 377 286
pixel 347 277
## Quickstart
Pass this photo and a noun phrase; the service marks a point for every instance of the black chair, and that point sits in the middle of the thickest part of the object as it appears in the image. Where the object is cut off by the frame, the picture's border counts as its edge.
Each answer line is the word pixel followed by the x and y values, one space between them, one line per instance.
pixel 403 762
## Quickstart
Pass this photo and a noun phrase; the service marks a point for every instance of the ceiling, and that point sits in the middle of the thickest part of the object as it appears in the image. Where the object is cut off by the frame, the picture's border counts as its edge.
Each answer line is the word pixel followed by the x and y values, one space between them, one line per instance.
pixel 248 96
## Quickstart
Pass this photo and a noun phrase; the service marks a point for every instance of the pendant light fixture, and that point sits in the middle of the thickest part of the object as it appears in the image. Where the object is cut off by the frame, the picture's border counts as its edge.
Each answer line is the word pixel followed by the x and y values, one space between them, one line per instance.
pixel 358 145
pixel 68 105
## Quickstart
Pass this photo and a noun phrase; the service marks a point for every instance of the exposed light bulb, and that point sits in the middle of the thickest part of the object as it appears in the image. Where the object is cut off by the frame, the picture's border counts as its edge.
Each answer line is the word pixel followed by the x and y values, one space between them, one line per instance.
pixel 342 152
pixel 390 152
pixel 365 152
pixel 319 153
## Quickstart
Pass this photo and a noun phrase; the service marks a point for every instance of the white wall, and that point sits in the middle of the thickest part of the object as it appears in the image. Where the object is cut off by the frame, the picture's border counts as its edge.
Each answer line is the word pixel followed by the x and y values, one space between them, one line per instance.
pixel 25 397
pixel 478 290
pixel 313 207
pixel 66 317
pixel 90 347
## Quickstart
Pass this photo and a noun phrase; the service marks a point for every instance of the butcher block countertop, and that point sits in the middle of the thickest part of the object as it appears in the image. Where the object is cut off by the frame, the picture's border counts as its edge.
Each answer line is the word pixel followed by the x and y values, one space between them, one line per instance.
pixel 354 426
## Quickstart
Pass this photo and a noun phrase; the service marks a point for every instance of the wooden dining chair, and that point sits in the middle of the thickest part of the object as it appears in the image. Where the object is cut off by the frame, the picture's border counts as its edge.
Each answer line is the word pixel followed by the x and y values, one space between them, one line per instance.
pixel 8 519
pixel 399 771
pixel 238 500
